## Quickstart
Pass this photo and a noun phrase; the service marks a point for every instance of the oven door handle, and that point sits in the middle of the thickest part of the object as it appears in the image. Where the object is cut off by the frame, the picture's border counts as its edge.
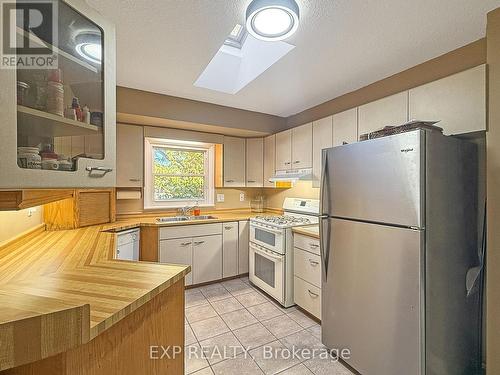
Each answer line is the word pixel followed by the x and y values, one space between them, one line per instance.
pixel 265 252
pixel 267 229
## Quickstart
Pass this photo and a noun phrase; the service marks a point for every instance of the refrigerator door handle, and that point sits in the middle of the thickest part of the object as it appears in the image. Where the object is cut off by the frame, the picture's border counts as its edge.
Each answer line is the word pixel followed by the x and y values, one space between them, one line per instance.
pixel 325 209
pixel 324 242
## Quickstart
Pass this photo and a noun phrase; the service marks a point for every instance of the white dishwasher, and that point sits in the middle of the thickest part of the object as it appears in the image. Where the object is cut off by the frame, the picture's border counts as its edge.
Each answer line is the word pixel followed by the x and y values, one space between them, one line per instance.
pixel 127 244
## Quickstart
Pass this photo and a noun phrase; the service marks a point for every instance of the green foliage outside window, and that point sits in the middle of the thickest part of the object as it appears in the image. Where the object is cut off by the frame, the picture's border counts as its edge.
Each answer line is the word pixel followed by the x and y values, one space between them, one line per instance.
pixel 178 174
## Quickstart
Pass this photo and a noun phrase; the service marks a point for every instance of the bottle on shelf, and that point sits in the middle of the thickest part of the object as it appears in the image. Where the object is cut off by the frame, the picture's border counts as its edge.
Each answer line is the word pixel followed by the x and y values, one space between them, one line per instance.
pixel 86 114
pixel 76 106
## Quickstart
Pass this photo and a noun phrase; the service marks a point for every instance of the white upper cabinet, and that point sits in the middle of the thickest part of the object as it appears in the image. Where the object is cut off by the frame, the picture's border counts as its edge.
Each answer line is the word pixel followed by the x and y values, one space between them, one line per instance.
pixel 294 148
pixel 269 159
pixel 302 146
pixel 284 150
pixel 78 147
pixel 129 155
pixel 389 111
pixel 322 138
pixel 345 127
pixel 234 162
pixel 255 162
pixel 458 101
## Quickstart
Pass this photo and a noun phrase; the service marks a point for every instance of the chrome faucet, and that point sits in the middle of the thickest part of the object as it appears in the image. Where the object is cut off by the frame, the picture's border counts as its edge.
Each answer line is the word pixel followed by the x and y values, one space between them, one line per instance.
pixel 184 211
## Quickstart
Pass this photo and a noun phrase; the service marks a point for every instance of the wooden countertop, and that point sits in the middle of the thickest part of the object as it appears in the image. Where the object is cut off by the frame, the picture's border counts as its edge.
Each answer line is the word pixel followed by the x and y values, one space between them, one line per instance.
pixel 60 289
pixel 150 220
pixel 310 231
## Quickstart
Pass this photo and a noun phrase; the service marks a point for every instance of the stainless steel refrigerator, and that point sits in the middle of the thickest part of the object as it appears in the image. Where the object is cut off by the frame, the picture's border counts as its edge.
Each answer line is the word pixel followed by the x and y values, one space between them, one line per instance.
pixel 398 235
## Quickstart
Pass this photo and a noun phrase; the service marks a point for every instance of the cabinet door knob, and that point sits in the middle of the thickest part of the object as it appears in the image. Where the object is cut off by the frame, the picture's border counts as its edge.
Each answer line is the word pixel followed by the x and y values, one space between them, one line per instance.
pixel 288 163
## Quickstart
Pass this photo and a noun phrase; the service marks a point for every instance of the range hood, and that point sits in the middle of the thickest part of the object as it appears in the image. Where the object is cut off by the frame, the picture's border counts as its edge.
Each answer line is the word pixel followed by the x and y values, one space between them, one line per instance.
pixel 292 175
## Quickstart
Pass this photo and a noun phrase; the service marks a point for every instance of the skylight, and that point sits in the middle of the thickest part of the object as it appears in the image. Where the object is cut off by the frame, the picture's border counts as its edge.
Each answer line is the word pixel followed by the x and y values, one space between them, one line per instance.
pixel 240 60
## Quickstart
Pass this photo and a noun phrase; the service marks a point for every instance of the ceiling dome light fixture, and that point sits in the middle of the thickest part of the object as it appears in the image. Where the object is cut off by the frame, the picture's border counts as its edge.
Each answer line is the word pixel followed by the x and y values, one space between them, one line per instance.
pixel 272 20
pixel 89 46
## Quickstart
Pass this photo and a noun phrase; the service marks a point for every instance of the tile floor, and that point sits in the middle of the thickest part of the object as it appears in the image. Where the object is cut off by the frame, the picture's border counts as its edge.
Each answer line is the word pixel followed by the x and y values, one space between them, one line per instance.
pixel 236 323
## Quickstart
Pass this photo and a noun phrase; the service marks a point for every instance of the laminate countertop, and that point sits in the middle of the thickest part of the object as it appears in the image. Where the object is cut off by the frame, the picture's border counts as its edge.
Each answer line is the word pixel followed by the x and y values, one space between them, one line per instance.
pixel 310 231
pixel 150 220
pixel 60 289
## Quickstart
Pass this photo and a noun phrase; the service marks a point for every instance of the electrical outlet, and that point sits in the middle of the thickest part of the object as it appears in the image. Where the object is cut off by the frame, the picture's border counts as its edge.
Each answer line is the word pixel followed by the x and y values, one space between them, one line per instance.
pixel 220 198
pixel 242 197
pixel 31 211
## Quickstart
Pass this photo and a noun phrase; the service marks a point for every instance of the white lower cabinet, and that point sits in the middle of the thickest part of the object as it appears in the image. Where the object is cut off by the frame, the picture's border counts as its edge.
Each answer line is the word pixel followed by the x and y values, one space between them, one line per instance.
pixel 230 234
pixel 307 296
pixel 207 259
pixel 307 274
pixel 214 251
pixel 178 251
pixel 244 238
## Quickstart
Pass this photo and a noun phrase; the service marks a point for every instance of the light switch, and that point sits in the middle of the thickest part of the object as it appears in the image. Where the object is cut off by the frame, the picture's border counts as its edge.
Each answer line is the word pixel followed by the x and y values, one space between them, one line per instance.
pixel 242 197
pixel 220 198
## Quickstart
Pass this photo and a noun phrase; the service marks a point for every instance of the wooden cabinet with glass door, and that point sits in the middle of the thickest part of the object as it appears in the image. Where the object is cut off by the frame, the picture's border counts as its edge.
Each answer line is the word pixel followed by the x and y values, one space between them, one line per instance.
pixel 58 119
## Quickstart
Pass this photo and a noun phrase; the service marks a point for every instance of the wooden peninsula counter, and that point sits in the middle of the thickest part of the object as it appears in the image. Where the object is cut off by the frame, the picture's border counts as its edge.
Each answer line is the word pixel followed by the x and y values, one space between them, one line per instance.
pixel 66 307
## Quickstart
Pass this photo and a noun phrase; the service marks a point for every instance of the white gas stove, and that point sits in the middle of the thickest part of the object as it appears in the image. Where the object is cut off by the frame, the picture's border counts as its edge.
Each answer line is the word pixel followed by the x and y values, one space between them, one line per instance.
pixel 271 247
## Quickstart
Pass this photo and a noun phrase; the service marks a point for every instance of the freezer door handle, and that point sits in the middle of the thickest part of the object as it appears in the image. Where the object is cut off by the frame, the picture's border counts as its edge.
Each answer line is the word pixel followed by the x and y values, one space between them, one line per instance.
pixel 325 209
pixel 324 245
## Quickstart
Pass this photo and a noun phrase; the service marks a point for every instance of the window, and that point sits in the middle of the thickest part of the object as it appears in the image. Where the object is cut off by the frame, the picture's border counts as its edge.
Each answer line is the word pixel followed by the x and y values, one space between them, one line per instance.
pixel 178 173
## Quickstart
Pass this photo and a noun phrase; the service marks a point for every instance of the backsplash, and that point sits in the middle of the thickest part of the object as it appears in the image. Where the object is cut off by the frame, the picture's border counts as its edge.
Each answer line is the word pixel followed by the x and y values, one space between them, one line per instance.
pixel 13 223
pixel 274 198
pixel 301 189
pixel 231 201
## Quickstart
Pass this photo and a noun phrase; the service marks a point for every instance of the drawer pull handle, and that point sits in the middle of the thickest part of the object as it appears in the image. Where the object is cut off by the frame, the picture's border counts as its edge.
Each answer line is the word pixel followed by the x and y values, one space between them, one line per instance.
pixel 117 251
pixel 288 163
pixel 251 181
pixel 185 243
pixel 312 294
pixel 229 180
pixel 313 262
pixel 228 228
pixel 198 242
pixel 296 162
pixel 135 179
pixel 314 245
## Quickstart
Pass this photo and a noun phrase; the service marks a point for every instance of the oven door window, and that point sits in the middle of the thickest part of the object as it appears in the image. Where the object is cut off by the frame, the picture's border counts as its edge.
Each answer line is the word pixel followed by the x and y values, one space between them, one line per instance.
pixel 265 237
pixel 265 270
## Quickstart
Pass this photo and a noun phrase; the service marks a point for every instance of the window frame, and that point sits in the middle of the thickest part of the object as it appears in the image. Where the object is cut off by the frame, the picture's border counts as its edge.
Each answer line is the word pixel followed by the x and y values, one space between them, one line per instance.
pixel 209 192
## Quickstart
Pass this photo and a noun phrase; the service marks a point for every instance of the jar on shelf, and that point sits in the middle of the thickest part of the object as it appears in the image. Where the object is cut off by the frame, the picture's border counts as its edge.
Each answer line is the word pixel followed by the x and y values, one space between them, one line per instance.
pixel 22 92
pixel 28 157
pixel 55 98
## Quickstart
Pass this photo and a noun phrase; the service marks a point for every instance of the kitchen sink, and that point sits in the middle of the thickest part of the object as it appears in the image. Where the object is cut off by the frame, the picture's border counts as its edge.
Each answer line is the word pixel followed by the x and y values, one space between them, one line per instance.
pixel 174 219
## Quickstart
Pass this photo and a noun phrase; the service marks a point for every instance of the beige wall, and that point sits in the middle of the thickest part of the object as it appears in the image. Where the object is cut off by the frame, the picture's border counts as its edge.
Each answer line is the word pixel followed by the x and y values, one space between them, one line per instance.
pixel 231 201
pixel 493 196
pixel 301 189
pixel 13 223
pixel 143 103
pixel 461 59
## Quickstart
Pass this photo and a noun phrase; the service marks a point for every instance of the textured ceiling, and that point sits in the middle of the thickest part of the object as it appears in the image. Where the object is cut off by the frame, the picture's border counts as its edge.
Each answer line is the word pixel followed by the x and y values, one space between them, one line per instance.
pixel 342 45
